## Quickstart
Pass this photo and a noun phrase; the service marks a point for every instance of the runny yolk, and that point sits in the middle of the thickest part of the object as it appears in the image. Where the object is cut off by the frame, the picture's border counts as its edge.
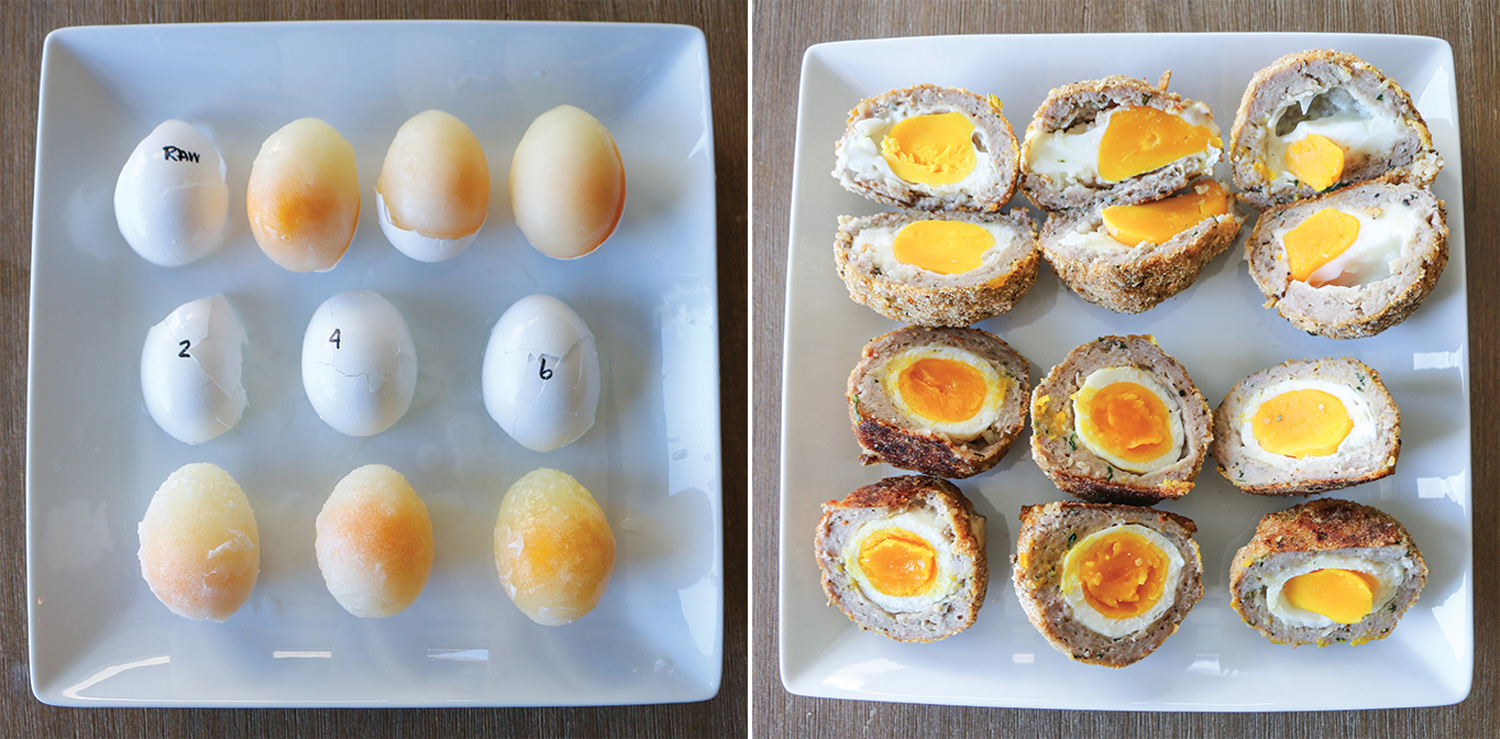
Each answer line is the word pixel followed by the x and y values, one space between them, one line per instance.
pixel 942 390
pixel 1315 160
pixel 1122 574
pixel 1158 221
pixel 1128 420
pixel 1140 139
pixel 944 247
pixel 934 149
pixel 1345 596
pixel 1301 423
pixel 897 562
pixel 1318 241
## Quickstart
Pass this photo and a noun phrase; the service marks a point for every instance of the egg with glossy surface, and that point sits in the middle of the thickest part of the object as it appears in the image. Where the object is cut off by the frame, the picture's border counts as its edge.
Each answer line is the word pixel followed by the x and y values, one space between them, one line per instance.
pixel 554 550
pixel 540 377
pixel 1126 416
pixel 433 194
pixel 359 365
pixel 191 370
pixel 1349 246
pixel 1327 589
pixel 567 183
pixel 303 199
pixel 171 201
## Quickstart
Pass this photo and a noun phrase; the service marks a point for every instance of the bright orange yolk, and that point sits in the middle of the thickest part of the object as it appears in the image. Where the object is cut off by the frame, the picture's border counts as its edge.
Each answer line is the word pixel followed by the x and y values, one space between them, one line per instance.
pixel 1318 241
pixel 1301 423
pixel 897 562
pixel 935 149
pixel 1141 139
pixel 1157 222
pixel 943 390
pixel 1315 160
pixel 1122 574
pixel 944 247
pixel 1128 420
pixel 1345 596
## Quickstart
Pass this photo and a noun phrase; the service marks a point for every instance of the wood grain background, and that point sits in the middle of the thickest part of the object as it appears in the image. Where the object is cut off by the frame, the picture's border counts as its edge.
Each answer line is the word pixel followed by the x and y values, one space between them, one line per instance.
pixel 781 32
pixel 23 26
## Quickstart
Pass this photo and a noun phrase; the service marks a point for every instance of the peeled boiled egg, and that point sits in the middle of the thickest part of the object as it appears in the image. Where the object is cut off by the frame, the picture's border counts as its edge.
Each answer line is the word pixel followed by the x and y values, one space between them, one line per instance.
pixel 191 370
pixel 1121 579
pixel 946 389
pixel 359 365
pixel 1123 142
pixel 1329 588
pixel 200 548
pixel 374 542
pixel 541 373
pixel 1303 418
pixel 303 199
pixel 171 201
pixel 434 189
pixel 554 550
pixel 1349 246
pixel 1124 416
pixel 567 184
pixel 903 563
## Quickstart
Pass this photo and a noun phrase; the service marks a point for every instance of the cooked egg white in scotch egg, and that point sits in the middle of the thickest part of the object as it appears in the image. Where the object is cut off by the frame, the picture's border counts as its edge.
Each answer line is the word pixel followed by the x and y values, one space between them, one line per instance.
pixel 1119 580
pixel 1125 416
pixel 1331 589
pixel 946 389
pixel 1348 246
pixel 932 248
pixel 902 563
pixel 1321 135
pixel 1304 418
pixel 1121 143
pixel 932 149
pixel 1155 222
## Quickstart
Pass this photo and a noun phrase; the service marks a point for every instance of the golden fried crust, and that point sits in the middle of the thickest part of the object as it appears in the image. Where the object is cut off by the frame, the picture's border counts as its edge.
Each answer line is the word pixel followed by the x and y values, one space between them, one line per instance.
pixel 1321 525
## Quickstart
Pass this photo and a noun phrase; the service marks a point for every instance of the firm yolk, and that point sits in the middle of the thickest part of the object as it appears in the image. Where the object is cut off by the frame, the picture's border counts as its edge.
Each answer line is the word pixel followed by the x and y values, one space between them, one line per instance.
pixel 944 247
pixel 1315 160
pixel 897 562
pixel 1128 420
pixel 1318 241
pixel 1301 423
pixel 1345 596
pixel 934 149
pixel 1122 574
pixel 943 390
pixel 1158 221
pixel 1141 139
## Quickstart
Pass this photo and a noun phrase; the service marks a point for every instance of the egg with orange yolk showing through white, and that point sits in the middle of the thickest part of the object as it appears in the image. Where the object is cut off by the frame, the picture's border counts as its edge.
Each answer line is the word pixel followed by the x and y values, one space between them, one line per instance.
pixel 941 250
pixel 1124 142
pixel 946 389
pixel 1119 580
pixel 1349 246
pixel 1126 417
pixel 902 563
pixel 1306 418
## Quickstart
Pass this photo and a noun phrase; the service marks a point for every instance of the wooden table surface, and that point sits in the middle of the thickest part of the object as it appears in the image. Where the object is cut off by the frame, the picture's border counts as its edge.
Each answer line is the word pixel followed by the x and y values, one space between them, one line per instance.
pixel 781 32
pixel 23 25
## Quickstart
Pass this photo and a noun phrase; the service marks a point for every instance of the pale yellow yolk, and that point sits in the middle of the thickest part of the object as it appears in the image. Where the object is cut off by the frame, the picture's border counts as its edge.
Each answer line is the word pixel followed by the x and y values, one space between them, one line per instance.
pixel 935 149
pixel 1318 241
pixel 1122 574
pixel 1315 160
pixel 1302 423
pixel 897 562
pixel 1157 222
pixel 1128 420
pixel 1345 596
pixel 943 390
pixel 944 247
pixel 1141 139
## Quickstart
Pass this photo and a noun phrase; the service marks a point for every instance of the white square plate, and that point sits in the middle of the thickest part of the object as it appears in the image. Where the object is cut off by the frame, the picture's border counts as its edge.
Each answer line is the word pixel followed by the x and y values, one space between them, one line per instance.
pixel 1217 329
pixel 95 457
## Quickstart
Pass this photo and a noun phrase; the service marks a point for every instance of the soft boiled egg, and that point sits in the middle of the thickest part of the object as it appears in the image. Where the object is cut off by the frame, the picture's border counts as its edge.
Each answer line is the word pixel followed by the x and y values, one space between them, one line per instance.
pixel 359 365
pixel 1349 246
pixel 303 197
pixel 567 183
pixel 541 374
pixel 191 373
pixel 933 247
pixel 1121 579
pixel 433 194
pixel 1121 143
pixel 1303 418
pixel 1330 588
pixel 946 389
pixel 904 562
pixel 1125 416
pixel 171 201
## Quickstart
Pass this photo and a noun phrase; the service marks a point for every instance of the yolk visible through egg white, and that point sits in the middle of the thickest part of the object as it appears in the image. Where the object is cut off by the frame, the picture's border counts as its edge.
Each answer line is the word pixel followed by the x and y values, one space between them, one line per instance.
pixel 1119 580
pixel 932 149
pixel 1158 221
pixel 1345 596
pixel 1355 138
pixel 1124 416
pixel 946 389
pixel 1328 589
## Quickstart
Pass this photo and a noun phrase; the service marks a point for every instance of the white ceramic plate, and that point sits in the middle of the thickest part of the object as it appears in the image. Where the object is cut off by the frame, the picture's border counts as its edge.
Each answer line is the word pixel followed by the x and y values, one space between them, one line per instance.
pixel 94 456
pixel 1217 329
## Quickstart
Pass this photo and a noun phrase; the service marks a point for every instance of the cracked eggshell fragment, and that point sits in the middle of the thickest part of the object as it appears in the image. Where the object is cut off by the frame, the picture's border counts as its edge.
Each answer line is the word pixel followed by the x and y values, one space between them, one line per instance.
pixel 433 194
pixel 191 370
pixel 541 374
pixel 171 201
pixel 359 366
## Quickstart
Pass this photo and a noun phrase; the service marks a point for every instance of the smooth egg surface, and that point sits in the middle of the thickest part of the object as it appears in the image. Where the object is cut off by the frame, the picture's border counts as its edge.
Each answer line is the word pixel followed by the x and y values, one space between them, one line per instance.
pixel 200 548
pixel 931 249
pixel 903 563
pixel 554 550
pixel 433 194
pixel 373 541
pixel 1380 581
pixel 191 370
pixel 541 377
pixel 1301 418
pixel 1121 143
pixel 359 365
pixel 1121 579
pixel 171 201
pixel 1349 247
pixel 567 183
pixel 1125 416
pixel 303 198
pixel 946 389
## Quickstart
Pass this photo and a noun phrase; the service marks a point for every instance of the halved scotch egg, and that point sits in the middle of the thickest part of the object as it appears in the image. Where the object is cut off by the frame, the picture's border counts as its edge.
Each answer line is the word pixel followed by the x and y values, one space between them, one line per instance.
pixel 946 402
pixel 1351 263
pixel 1130 258
pixel 1307 426
pixel 929 148
pixel 1326 571
pixel 905 558
pixel 1118 140
pixel 1106 584
pixel 1318 119
pixel 938 269
pixel 1120 421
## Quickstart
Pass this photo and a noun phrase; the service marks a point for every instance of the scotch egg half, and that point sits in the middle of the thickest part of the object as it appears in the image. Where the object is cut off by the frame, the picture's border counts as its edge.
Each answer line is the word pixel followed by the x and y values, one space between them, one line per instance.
pixel 946 389
pixel 1125 416
pixel 1119 580
pixel 902 563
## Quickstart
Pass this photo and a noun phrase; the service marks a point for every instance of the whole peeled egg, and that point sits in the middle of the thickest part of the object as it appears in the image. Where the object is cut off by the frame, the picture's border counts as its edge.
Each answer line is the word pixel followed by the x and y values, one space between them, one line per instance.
pixel 303 197
pixel 191 370
pixel 359 366
pixel 541 374
pixel 171 201
pixel 567 184
pixel 434 189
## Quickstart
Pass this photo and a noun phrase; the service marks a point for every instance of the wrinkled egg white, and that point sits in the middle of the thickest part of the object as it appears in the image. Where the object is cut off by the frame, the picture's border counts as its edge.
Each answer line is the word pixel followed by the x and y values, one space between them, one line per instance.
pixel 359 365
pixel 861 153
pixel 925 524
pixel 1360 414
pixel 1071 156
pixel 1098 380
pixel 989 412
pixel 1382 239
pixel 1084 613
pixel 1388 576
pixel 171 201
pixel 541 374
pixel 191 370
pixel 874 250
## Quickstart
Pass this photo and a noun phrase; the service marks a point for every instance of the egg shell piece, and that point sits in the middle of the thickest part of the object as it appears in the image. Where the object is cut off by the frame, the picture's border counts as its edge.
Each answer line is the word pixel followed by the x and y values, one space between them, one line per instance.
pixel 191 370
pixel 434 187
pixel 554 550
pixel 415 245
pixel 200 547
pixel 374 542
pixel 567 183
pixel 303 198
pixel 171 200
pixel 541 374
pixel 359 365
